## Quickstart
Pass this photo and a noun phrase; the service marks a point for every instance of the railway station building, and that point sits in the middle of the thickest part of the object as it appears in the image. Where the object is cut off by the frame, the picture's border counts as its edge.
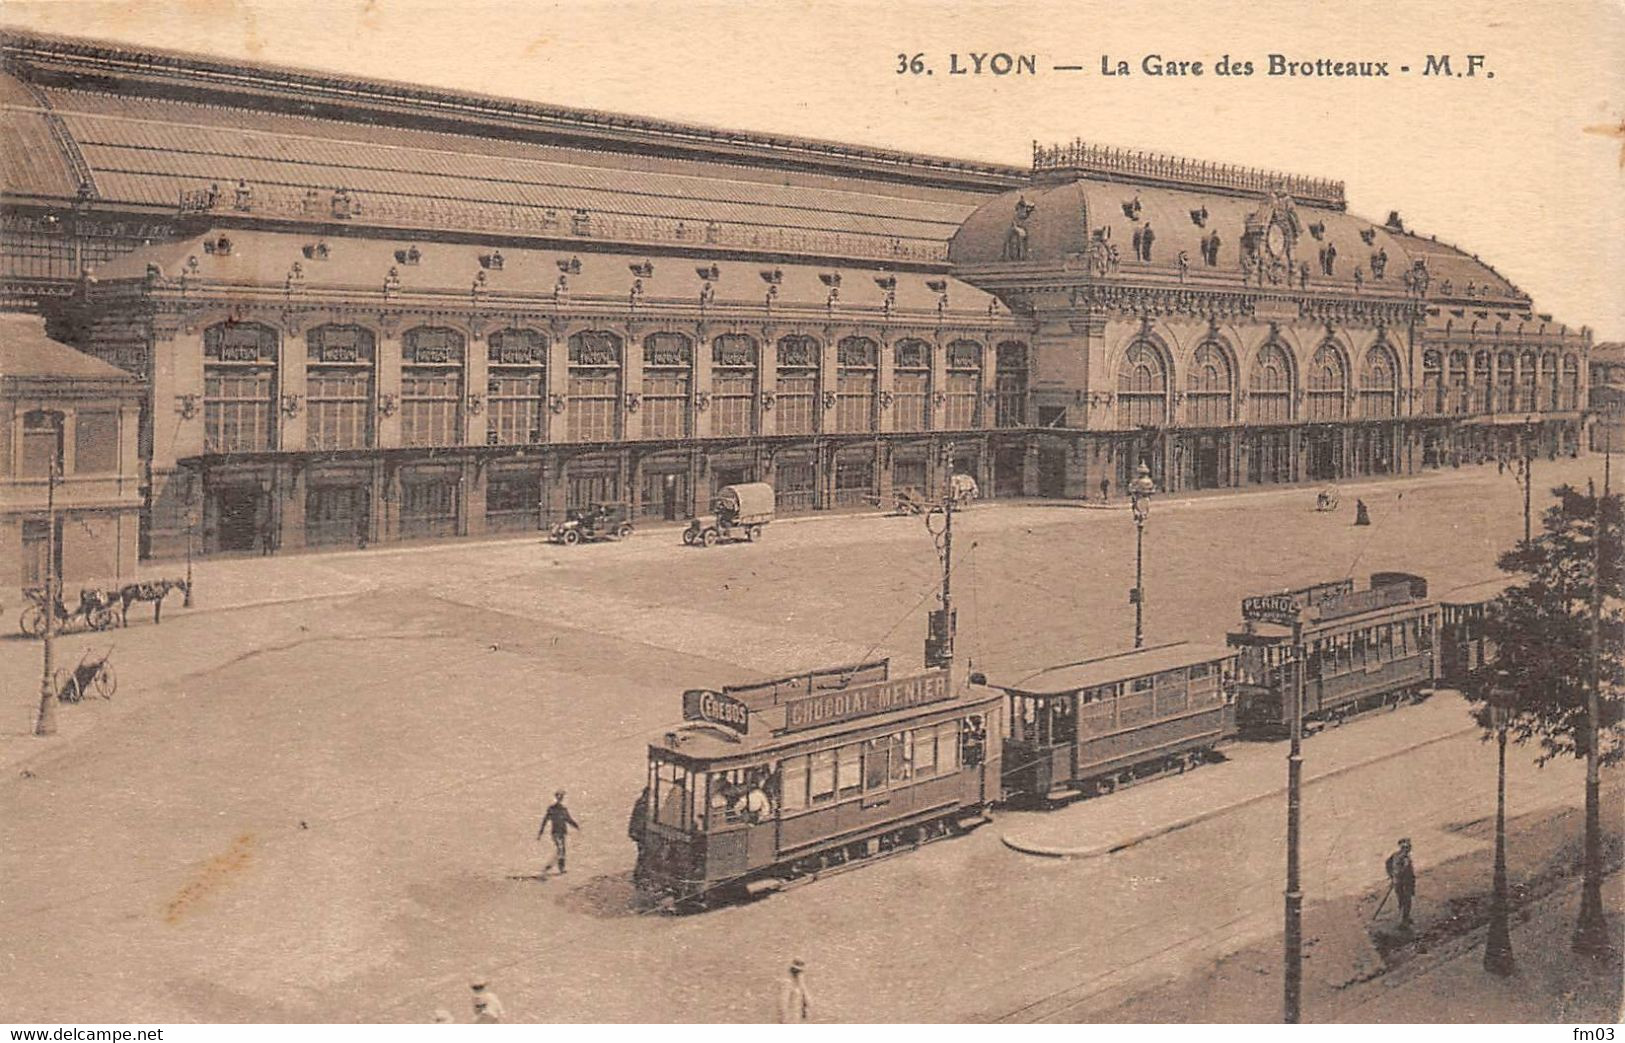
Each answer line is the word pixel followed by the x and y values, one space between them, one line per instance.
pixel 365 311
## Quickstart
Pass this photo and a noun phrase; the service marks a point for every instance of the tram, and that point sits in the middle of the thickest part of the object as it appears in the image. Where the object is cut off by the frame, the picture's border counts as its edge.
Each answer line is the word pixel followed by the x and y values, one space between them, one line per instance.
pixel 1084 728
pixel 1463 645
pixel 1356 650
pixel 771 782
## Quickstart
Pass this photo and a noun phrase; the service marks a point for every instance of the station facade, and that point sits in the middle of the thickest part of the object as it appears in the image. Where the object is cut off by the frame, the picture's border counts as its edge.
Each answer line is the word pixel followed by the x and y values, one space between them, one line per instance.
pixel 364 312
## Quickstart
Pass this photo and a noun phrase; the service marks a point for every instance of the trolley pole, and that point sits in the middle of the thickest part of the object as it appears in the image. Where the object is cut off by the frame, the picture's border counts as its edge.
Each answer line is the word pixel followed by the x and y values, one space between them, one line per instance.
pixel 1528 480
pixel 45 722
pixel 1293 932
pixel 939 637
pixel 1498 944
pixel 191 525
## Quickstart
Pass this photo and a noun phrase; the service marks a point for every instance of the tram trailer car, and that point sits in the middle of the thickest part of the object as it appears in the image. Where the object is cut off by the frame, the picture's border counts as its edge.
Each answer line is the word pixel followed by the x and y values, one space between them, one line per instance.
pixel 1359 649
pixel 1463 646
pixel 771 782
pixel 1084 728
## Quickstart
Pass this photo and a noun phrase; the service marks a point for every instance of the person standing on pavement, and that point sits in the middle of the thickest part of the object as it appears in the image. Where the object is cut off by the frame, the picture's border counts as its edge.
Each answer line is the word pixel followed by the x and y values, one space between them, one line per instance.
pixel 1402 875
pixel 487 1008
pixel 557 820
pixel 795 1005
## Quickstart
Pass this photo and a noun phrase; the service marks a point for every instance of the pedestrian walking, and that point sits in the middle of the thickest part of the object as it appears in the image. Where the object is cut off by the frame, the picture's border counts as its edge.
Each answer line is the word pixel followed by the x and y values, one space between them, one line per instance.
pixel 795 1005
pixel 487 1008
pixel 558 821
pixel 1105 490
pixel 1402 875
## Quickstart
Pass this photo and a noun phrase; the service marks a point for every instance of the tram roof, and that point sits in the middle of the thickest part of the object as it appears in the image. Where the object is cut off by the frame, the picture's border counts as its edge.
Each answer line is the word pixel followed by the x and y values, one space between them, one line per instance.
pixel 703 741
pixel 1072 677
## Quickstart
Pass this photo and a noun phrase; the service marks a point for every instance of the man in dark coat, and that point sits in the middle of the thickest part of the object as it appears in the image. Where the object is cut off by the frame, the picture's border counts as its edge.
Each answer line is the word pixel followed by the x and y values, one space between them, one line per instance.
pixel 1403 877
pixel 557 820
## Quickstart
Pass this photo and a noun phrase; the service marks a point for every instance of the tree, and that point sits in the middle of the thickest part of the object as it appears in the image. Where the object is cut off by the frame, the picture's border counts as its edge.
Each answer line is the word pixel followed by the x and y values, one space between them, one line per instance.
pixel 1558 638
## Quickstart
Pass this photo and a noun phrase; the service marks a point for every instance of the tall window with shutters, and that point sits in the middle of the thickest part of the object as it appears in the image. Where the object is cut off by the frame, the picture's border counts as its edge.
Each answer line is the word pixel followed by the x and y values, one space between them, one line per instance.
pixel 1459 394
pixel 668 366
pixel 1142 387
pixel 911 385
pixel 797 396
pixel 733 385
pixel 1527 375
pixel 1433 394
pixel 339 365
pixel 1506 371
pixel 516 383
pixel 963 395
pixel 239 388
pixel 594 407
pixel 1571 382
pixel 1379 383
pixel 857 373
pixel 431 386
pixel 1010 384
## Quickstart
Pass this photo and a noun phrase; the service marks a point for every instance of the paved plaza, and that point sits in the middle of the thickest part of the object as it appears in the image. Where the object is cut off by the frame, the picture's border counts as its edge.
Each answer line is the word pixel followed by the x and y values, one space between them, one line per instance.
pixel 315 795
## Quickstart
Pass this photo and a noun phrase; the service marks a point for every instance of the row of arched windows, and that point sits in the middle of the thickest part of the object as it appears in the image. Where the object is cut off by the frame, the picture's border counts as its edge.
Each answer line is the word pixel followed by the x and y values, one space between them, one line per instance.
pixel 1144 385
pixel 241 402
pixel 1484 381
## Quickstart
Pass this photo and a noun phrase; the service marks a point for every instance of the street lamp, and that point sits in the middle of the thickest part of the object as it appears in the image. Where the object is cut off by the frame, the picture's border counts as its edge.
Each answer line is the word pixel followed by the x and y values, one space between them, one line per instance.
pixel 1498 946
pixel 1524 468
pixel 1139 493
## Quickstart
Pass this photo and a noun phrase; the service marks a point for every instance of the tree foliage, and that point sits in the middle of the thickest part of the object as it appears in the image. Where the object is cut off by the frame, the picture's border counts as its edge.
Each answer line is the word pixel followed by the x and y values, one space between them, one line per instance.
pixel 1541 629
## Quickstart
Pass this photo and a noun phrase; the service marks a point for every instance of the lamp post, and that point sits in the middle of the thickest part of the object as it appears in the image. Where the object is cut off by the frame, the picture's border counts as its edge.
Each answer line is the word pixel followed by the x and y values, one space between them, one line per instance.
pixel 1498 946
pixel 939 639
pixel 1524 467
pixel 45 722
pixel 1139 494
pixel 191 527
pixel 1292 933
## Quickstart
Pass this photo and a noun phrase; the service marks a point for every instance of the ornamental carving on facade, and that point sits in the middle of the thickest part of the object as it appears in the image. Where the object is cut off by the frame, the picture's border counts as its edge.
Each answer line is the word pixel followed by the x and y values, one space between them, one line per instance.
pixel 555 402
pixel 1015 240
pixel 632 401
pixel 476 403
pixel 1271 237
pixel 186 406
pixel 829 400
pixel 768 398
pixel 291 403
pixel 386 404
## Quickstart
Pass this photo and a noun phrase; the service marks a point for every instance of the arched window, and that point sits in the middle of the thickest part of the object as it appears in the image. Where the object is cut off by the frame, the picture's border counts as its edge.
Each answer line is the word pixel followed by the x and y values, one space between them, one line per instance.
pixel 911 384
pixel 797 393
pixel 1548 382
pixel 594 390
pixel 1270 385
pixel 733 385
pixel 1208 387
pixel 338 387
pixel 1142 387
pixel 1328 384
pixel 431 386
pixel 1571 382
pixel 1481 382
pixel 668 367
pixel 1526 382
pixel 1506 368
pixel 239 388
pixel 857 374
pixel 962 409
pixel 1379 382
pixel 1432 382
pixel 515 383
pixel 1459 392
pixel 1010 384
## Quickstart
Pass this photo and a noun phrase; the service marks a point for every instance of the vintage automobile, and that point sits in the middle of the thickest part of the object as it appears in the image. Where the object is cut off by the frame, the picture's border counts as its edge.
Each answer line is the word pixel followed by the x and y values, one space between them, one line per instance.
pixel 598 521
pixel 740 512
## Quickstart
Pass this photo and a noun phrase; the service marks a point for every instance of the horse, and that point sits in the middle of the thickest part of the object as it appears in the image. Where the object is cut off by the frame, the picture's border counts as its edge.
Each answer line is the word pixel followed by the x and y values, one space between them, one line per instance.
pixel 153 590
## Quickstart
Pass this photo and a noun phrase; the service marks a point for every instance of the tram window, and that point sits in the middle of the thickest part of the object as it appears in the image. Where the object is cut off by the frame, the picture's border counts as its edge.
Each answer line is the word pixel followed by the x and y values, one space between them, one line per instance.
pixel 876 763
pixel 972 740
pixel 1169 678
pixel 925 752
pixel 1142 684
pixel 1200 670
pixel 673 783
pixel 793 783
pixel 849 771
pixel 948 746
pixel 1063 723
pixel 902 756
pixel 1024 718
pixel 821 777
pixel 1425 639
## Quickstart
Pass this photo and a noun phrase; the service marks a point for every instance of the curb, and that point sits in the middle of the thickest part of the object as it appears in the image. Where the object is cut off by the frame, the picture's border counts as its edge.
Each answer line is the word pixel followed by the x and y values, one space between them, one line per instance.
pixel 1098 850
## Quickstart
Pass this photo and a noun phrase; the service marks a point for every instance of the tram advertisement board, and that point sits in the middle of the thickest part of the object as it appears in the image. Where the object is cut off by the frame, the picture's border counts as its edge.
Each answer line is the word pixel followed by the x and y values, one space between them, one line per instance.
pixel 848 703
pixel 702 704
pixel 1271 608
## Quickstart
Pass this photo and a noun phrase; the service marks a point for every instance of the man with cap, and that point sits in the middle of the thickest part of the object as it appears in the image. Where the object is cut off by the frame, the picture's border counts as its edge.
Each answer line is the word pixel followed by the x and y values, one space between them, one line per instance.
pixel 487 1008
pixel 795 1006
pixel 1402 875
pixel 557 819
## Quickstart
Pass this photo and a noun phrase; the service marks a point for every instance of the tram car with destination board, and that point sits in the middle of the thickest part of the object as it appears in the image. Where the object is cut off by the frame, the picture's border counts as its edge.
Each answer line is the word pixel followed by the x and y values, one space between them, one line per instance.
pixel 1085 728
pixel 1463 646
pixel 1357 650
pixel 784 780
